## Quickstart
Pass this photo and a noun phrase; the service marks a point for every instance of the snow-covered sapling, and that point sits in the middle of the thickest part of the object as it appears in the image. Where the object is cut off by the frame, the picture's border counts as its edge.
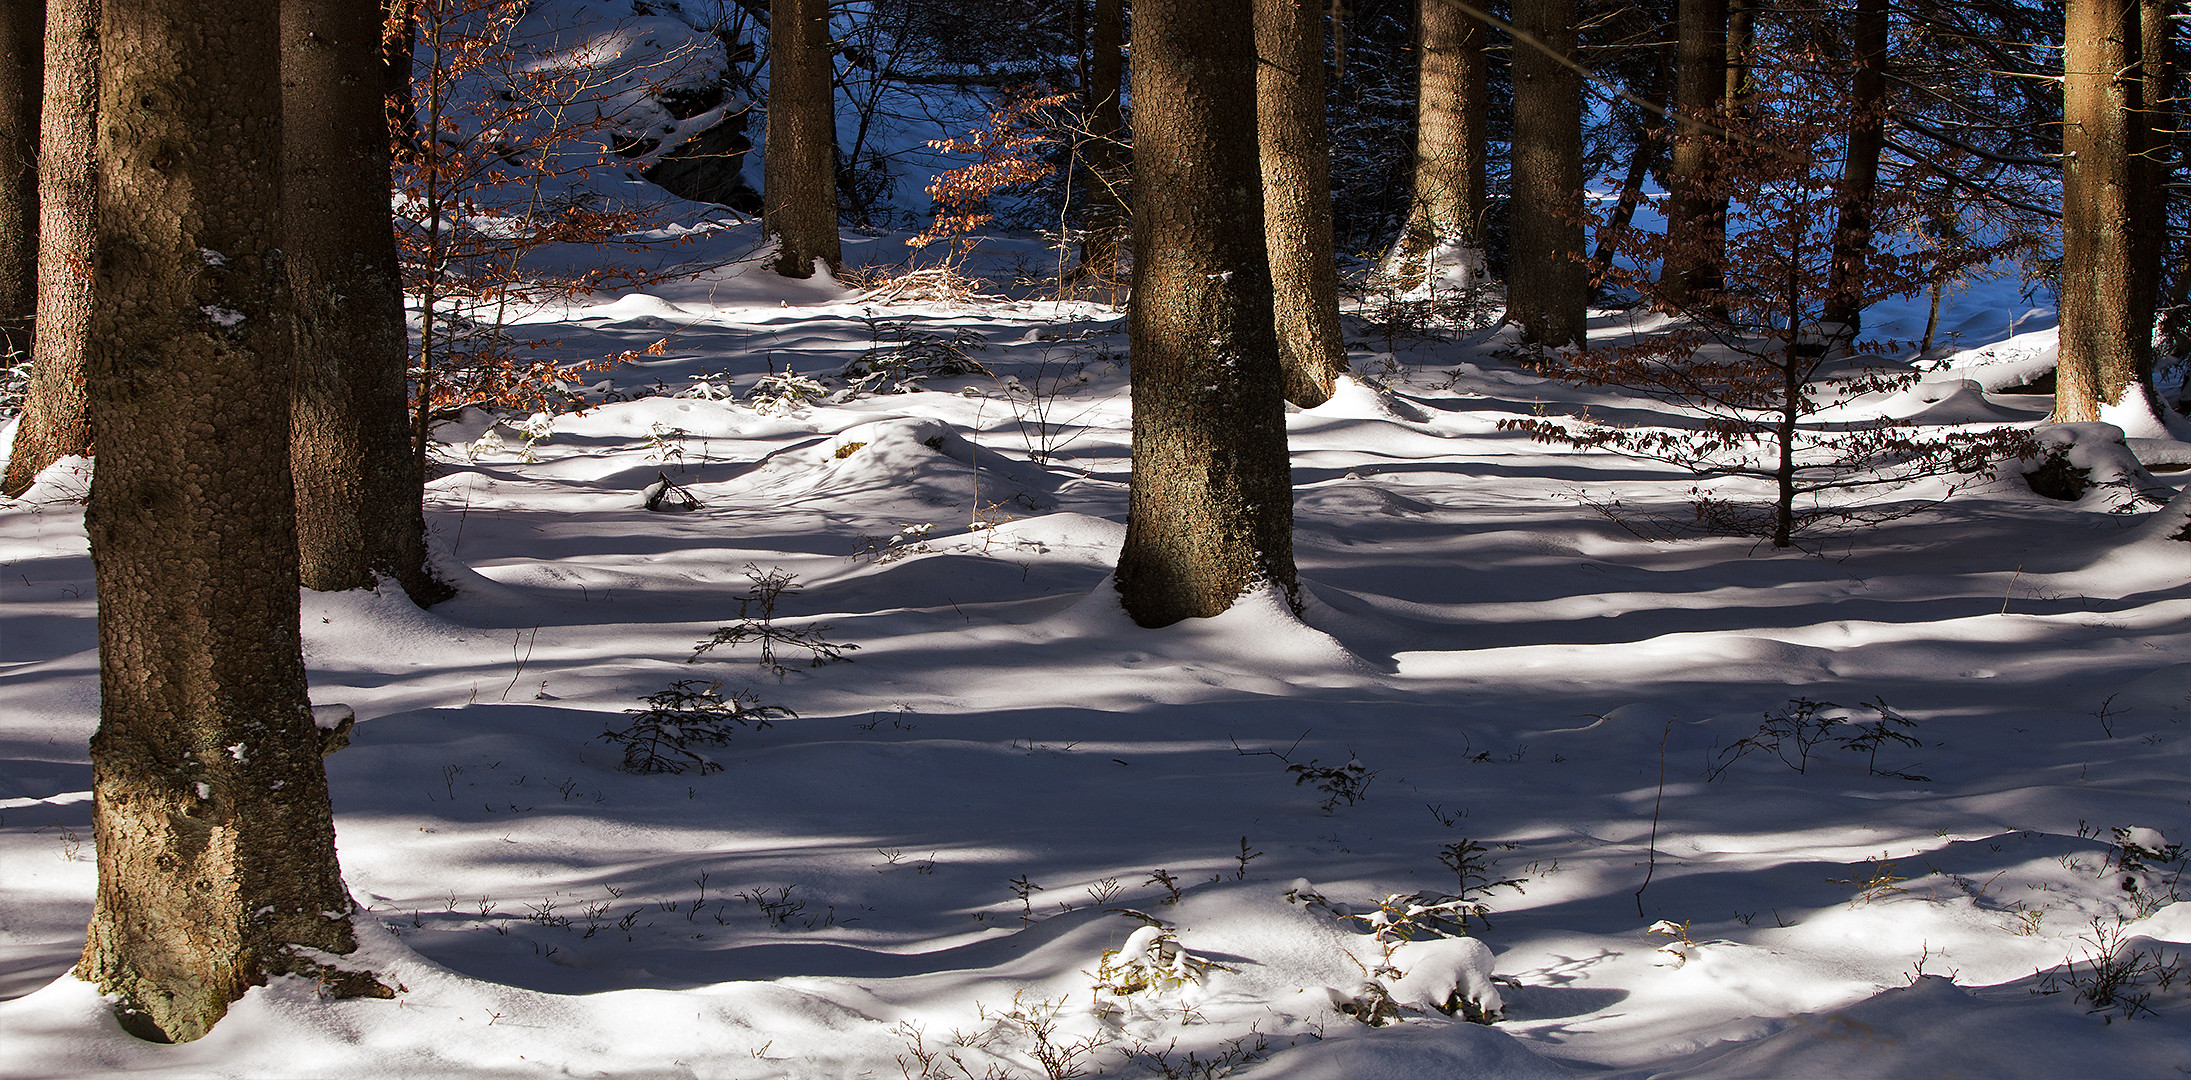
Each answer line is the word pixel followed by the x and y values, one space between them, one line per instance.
pixel 757 622
pixel 691 712
pixel 785 392
pixel 1152 959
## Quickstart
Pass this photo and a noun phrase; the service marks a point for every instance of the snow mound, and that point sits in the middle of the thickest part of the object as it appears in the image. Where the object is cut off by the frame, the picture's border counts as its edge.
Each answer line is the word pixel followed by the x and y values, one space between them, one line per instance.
pixel 2103 450
pixel 67 480
pixel 2006 365
pixel 1944 401
pixel 1353 399
pixel 1442 970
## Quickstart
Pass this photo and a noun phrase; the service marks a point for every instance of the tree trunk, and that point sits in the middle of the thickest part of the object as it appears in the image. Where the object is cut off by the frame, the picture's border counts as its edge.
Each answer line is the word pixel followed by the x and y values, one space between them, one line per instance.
pixel 1296 156
pixel 1548 284
pixel 2106 332
pixel 799 167
pixel 1107 174
pixel 210 809
pixel 1210 510
pixel 55 422
pixel 1444 228
pixel 358 488
pixel 22 62
pixel 1696 222
pixel 1843 314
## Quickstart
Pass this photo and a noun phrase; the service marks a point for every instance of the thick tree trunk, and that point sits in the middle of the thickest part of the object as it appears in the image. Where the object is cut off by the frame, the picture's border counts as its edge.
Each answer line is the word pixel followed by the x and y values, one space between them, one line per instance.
pixel 22 51
pixel 1106 172
pixel 799 169
pixel 1444 228
pixel 210 810
pixel 1210 511
pixel 1843 314
pixel 1296 156
pixel 358 488
pixel 55 422
pixel 1548 285
pixel 1696 222
pixel 2107 319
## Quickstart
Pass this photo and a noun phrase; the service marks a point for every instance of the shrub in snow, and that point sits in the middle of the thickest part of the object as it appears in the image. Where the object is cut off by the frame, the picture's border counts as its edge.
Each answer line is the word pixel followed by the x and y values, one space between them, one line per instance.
pixel 1428 963
pixel 757 623
pixel 785 393
pixel 1152 959
pixel 690 713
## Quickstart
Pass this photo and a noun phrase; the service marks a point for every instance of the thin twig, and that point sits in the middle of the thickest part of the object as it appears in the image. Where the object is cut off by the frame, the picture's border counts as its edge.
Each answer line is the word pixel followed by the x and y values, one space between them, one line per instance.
pixel 1651 859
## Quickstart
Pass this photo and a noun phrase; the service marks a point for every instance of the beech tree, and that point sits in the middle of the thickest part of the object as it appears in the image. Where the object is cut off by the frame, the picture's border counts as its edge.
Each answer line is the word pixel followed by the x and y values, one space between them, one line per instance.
pixel 1548 284
pixel 1444 231
pixel 55 421
pixel 1296 159
pixel 359 513
pixel 1210 506
pixel 799 186
pixel 210 810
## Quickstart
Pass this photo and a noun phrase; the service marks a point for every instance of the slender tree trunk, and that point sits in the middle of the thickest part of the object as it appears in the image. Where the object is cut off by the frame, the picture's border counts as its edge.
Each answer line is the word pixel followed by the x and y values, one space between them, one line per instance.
pixel 2107 320
pixel 1548 285
pixel 1648 150
pixel 358 488
pixel 22 63
pixel 1106 172
pixel 799 170
pixel 1210 511
pixel 1843 314
pixel 210 809
pixel 1444 228
pixel 1696 223
pixel 1296 156
pixel 56 421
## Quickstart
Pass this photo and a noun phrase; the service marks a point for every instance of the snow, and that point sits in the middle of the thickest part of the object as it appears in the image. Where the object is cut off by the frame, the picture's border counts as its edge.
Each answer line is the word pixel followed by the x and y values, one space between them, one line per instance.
pixel 1504 663
pixel 928 857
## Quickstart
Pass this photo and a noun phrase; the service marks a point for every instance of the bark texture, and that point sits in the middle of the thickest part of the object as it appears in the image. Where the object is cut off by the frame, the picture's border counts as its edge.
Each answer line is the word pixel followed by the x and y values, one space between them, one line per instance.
pixel 210 810
pixel 1210 511
pixel 1548 284
pixel 55 422
pixel 1846 294
pixel 22 48
pixel 1296 156
pixel 799 175
pixel 1446 203
pixel 359 512
pixel 2106 304
pixel 1696 223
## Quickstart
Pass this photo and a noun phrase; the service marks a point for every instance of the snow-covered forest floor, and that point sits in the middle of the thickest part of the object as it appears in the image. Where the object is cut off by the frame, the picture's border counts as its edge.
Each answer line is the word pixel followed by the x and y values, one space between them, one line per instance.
pixel 917 874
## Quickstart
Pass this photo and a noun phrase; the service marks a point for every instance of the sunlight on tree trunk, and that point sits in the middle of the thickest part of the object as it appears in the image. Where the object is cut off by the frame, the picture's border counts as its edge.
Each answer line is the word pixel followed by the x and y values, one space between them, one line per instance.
pixel 799 182
pixel 210 811
pixel 1210 510
pixel 1445 218
pixel 55 423
pixel 1296 157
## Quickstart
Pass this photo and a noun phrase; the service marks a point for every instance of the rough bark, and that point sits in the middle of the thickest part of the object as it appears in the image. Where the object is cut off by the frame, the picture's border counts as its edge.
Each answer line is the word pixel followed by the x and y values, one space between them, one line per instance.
pixel 799 177
pixel 22 50
pixel 1843 313
pixel 1210 510
pixel 2106 332
pixel 55 422
pixel 1296 157
pixel 210 809
pixel 1696 223
pixel 1548 284
pixel 359 513
pixel 1446 202
pixel 1101 152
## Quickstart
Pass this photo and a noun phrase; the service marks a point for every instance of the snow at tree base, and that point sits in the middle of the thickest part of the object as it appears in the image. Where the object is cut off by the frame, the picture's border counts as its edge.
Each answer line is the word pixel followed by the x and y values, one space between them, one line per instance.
pixel 1012 828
